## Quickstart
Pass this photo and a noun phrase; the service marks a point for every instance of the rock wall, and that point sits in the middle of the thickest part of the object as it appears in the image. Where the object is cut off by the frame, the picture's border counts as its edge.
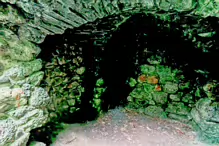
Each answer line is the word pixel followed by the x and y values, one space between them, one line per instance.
pixel 25 23
pixel 54 16
pixel 163 92
pixel 23 102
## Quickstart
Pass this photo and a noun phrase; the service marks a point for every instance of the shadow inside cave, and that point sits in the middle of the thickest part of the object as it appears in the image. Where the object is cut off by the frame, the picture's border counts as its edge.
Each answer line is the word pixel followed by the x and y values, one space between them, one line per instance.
pixel 124 52
pixel 122 55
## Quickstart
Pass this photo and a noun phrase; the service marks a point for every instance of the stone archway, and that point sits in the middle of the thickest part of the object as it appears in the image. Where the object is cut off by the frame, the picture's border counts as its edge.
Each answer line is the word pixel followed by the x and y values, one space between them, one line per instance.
pixel 26 24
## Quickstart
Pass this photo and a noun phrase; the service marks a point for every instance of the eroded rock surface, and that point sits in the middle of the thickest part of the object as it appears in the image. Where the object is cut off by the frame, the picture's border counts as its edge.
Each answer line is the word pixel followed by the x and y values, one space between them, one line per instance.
pixel 23 102
pixel 25 22
pixel 206 116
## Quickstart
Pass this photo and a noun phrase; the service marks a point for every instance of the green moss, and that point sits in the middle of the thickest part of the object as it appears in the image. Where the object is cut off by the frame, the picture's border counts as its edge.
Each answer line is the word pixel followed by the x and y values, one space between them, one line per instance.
pixel 188 98
pixel 184 86
pixel 98 91
pixel 170 87
pixel 155 111
pixel 100 82
pixel 175 97
pixel 160 98
pixel 132 82
pixel 147 69
pixel 155 60
pixel 148 88
pixel 198 92
pixel 181 118
pixel 178 108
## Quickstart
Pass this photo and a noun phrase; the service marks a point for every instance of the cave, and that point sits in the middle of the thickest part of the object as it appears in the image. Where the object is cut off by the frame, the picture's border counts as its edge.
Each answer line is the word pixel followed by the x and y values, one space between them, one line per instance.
pixel 119 70
pixel 115 55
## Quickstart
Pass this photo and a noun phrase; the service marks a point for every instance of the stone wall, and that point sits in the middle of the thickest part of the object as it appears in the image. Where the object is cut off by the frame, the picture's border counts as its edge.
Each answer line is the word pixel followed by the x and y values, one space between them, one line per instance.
pixel 163 92
pixel 25 23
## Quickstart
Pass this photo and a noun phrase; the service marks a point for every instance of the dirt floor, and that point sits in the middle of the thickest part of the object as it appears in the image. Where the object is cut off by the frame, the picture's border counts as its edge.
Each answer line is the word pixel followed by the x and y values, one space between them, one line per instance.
pixel 120 127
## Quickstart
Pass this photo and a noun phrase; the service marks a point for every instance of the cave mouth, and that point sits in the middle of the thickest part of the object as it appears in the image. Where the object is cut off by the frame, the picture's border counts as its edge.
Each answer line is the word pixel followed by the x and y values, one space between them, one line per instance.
pixel 115 56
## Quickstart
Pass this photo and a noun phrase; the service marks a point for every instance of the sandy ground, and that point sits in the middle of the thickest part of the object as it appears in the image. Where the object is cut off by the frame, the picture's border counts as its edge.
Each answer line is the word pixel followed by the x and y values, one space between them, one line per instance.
pixel 120 127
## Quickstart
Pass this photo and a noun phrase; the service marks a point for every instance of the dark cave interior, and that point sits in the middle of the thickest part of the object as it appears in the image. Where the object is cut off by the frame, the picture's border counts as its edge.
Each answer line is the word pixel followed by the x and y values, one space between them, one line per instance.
pixel 120 53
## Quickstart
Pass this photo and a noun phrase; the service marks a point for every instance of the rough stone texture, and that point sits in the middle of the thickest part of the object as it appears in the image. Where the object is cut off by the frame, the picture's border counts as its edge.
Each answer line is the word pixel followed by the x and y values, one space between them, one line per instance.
pixel 160 97
pixel 39 98
pixel 175 97
pixel 9 98
pixel 35 20
pixel 11 135
pixel 188 98
pixel 155 111
pixel 147 69
pixel 35 143
pixel 181 118
pixel 7 130
pixel 206 116
pixel 20 71
pixel 178 108
pixel 22 106
pixel 24 117
pixel 53 17
pixel 170 87
pixel 10 15
pixel 172 101
pixel 18 49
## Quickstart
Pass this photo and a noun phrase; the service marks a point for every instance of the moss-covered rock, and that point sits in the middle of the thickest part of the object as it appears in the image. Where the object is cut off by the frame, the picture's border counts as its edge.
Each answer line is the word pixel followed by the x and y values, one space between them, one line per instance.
pixel 132 82
pixel 188 98
pixel 182 118
pixel 183 86
pixel 155 60
pixel 205 115
pixel 28 24
pixel 9 15
pixel 147 69
pixel 170 87
pixel 63 78
pixel 160 98
pixel 155 111
pixel 98 91
pixel 175 97
pixel 178 108
pixel 16 48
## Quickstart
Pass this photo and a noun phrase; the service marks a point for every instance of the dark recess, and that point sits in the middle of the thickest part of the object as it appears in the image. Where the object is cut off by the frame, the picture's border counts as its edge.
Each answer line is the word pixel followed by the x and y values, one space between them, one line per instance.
pixel 123 54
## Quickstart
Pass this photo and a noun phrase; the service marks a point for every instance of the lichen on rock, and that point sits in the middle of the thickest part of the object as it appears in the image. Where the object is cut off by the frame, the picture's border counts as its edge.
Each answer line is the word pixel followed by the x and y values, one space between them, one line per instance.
pixel 17 49
pixel 28 117
pixel 155 111
pixel 98 91
pixel 170 87
pixel 39 98
pixel 205 115
pixel 41 18
pixel 178 108
pixel 21 70
pixel 9 15
pixel 160 98
pixel 7 131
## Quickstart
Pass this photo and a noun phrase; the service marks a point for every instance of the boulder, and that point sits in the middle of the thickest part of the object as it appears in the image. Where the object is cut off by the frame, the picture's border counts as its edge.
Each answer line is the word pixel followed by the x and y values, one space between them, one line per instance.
pixel 178 108
pixel 160 98
pixel 175 97
pixel 170 87
pixel 155 111
pixel 206 115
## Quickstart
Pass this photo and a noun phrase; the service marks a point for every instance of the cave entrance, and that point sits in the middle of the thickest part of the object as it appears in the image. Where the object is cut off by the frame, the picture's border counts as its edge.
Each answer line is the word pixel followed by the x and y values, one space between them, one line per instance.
pixel 99 50
pixel 177 43
pixel 74 61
